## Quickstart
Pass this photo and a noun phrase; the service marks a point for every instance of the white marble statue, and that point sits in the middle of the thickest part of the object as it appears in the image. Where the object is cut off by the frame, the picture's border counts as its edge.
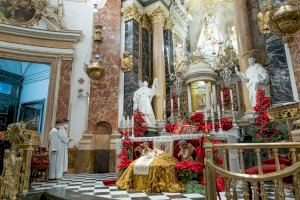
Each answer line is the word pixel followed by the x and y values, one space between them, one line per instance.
pixel 255 77
pixel 142 99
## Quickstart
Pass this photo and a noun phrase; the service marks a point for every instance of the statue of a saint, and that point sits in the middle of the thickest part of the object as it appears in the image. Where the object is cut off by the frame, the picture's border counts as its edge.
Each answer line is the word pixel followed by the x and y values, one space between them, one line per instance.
pixel 255 77
pixel 142 99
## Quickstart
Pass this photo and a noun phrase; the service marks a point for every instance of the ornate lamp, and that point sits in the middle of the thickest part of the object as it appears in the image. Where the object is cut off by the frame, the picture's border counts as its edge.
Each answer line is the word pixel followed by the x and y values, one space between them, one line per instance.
pixel 282 19
pixel 96 70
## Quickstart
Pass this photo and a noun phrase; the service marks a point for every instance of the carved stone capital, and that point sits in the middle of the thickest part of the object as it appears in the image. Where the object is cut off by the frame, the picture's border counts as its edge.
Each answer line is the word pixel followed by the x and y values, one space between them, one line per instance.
pixel 145 22
pixel 158 16
pixel 168 24
pixel 131 12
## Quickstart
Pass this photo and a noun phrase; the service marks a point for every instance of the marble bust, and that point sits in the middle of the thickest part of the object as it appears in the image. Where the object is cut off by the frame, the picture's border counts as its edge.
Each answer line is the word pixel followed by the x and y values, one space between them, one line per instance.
pixel 142 99
pixel 255 77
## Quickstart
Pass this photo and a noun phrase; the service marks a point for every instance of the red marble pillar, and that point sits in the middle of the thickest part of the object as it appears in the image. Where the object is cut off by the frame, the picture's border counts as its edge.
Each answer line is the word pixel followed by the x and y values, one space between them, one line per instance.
pixel 103 102
pixel 63 100
pixel 295 54
pixel 104 96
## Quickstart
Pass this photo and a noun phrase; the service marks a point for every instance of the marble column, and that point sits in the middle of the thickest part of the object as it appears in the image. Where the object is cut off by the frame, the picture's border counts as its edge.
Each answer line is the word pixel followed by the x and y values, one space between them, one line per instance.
pixel 158 18
pixel 132 16
pixel 146 48
pixel 168 51
pixel 245 43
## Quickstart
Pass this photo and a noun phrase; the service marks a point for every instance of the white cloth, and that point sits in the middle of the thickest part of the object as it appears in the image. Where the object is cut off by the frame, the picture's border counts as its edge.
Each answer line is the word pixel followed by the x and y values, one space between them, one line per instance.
pixel 142 165
pixel 63 149
pixel 54 168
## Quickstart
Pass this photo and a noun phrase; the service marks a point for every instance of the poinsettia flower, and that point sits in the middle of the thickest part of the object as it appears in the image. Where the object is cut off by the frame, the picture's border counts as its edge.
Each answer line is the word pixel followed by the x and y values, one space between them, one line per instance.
pixel 220 184
pixel 219 161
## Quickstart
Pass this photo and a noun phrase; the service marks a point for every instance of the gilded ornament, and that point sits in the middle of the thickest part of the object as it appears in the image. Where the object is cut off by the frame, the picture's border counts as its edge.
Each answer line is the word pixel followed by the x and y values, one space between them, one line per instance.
pixel 158 16
pixel 126 62
pixel 98 34
pixel 96 70
pixel 168 24
pixel 281 19
pixel 131 12
pixel 145 22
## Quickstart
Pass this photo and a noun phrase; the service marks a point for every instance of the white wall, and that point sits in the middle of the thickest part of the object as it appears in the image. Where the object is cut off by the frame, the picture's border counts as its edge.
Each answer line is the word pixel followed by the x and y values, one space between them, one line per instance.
pixel 79 16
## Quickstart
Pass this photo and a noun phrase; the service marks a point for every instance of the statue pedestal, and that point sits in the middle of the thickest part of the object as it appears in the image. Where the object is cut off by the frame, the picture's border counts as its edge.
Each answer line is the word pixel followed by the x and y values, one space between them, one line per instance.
pixel 84 160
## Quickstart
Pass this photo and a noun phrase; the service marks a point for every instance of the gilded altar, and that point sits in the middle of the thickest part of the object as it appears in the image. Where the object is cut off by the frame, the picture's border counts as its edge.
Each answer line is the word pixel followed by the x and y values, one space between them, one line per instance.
pixel 17 161
pixel 161 177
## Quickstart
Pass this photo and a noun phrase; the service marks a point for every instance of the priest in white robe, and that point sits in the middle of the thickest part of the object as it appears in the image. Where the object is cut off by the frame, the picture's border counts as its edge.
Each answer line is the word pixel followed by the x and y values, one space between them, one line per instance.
pixel 55 171
pixel 63 145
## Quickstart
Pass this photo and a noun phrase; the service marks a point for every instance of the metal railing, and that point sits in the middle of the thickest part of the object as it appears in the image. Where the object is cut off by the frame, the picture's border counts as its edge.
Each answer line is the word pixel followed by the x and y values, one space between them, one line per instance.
pixel 256 181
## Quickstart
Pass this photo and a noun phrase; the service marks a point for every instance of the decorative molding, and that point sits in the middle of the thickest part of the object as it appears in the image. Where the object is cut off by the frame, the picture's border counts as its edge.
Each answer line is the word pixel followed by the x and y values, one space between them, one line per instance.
pixel 158 15
pixel 21 49
pixel 169 24
pixel 145 22
pixel 73 36
pixel 131 12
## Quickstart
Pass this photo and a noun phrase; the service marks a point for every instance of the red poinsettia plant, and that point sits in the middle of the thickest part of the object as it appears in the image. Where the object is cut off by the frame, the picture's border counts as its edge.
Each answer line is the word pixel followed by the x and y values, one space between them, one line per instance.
pixel 189 170
pixel 217 159
pixel 125 155
pixel 139 124
pixel 267 131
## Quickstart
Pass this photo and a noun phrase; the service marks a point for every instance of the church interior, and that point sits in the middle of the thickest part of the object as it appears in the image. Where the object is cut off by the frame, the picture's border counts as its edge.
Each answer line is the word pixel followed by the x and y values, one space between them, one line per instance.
pixel 150 99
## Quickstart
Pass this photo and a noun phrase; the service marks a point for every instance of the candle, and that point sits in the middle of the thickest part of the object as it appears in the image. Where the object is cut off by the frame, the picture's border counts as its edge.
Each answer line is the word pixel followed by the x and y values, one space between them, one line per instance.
pixel 178 102
pixel 132 118
pixel 212 98
pixel 231 96
pixel 172 105
pixel 212 113
pixel 222 97
pixel 164 105
pixel 219 111
pixel 127 122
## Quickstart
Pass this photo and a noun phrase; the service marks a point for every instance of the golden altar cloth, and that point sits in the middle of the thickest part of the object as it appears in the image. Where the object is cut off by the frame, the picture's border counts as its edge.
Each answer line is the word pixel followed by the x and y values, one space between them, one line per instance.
pixel 161 178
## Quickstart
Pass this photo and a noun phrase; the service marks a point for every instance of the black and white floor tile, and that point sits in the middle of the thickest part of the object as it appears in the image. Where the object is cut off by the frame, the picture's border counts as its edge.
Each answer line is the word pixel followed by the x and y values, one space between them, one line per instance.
pixel 92 184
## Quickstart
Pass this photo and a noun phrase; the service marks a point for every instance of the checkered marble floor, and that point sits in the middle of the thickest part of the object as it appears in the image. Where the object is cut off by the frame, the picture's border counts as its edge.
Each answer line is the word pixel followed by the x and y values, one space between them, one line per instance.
pixel 91 184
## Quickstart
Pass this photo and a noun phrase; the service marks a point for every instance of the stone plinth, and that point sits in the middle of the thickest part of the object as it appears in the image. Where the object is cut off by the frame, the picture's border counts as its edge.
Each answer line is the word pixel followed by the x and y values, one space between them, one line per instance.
pixel 84 159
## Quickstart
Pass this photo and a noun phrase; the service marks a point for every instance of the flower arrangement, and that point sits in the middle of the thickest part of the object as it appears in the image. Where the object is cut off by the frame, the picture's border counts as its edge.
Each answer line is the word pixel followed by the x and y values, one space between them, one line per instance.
pixel 197 119
pixel 267 131
pixel 125 155
pixel 139 124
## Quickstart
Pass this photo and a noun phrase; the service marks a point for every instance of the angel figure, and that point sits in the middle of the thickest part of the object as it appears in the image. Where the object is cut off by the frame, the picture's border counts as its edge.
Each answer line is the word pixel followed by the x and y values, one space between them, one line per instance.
pixel 186 151
pixel 143 149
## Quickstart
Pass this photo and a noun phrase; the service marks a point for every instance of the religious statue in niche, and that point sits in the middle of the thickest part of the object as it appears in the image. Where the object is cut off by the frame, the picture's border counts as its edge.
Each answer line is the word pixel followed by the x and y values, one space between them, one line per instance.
pixel 186 151
pixel 210 38
pixel 142 99
pixel 255 77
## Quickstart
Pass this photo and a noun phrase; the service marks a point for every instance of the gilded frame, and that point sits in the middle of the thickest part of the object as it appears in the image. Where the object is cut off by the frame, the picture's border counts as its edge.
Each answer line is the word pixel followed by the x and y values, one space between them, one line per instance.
pixel 34 19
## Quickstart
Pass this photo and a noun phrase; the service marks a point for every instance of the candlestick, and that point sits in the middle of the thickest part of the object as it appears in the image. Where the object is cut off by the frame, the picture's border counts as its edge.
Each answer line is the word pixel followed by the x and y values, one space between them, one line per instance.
pixel 205 119
pixel 212 99
pixel 178 102
pixel 171 106
pixel 231 96
pixel 233 115
pixel 219 111
pixel 132 121
pixel 222 97
pixel 212 118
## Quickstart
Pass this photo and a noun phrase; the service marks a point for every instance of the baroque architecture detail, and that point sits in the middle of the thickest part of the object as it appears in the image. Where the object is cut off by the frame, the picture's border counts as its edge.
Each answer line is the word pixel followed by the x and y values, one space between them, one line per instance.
pixel 131 12
pixel 158 16
pixel 28 13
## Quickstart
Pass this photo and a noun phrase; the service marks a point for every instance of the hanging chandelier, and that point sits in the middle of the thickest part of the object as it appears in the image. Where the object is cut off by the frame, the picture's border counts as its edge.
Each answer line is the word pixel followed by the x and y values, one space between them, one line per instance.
pixel 283 19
